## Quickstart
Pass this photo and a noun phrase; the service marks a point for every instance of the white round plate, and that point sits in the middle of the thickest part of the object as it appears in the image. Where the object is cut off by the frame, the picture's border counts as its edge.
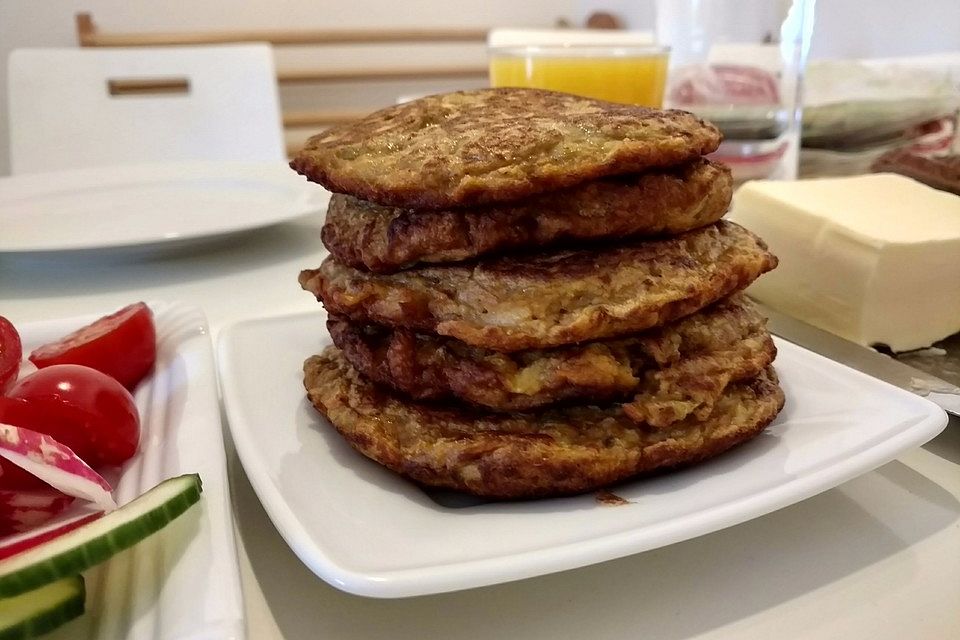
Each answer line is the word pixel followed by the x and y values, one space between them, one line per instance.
pixel 148 204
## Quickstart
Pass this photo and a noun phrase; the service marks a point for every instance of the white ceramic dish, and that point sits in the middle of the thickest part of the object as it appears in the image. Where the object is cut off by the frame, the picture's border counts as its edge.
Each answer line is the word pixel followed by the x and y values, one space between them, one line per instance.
pixel 149 204
pixel 184 581
pixel 367 531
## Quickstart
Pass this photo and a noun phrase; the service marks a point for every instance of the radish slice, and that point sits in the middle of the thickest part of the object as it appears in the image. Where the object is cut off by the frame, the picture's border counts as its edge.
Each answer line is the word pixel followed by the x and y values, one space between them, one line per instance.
pixel 55 464
pixel 36 537
pixel 25 510
pixel 48 500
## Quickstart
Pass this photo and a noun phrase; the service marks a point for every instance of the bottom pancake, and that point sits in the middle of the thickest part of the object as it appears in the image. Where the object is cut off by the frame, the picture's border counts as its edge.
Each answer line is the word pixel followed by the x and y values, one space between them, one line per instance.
pixel 562 451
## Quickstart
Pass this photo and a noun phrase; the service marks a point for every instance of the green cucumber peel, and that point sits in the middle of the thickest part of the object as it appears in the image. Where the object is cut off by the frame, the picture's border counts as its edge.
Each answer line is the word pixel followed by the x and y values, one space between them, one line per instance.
pixel 42 610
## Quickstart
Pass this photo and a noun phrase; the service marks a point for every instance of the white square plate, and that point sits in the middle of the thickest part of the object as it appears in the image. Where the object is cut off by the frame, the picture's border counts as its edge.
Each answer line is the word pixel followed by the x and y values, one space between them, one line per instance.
pixel 184 581
pixel 365 530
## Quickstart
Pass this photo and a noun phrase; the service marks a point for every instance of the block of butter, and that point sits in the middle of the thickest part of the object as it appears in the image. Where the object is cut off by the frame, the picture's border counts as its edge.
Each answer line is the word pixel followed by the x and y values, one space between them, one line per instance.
pixel 873 258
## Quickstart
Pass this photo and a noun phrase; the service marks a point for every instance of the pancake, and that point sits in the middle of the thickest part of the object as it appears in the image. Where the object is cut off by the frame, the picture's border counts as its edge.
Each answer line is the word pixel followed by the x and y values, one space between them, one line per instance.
pixel 551 299
pixel 368 236
pixel 496 145
pixel 692 386
pixel 566 451
pixel 673 371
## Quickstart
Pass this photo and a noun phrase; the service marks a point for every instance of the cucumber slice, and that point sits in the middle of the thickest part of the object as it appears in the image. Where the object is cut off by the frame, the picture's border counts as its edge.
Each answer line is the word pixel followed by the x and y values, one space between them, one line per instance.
pixel 36 612
pixel 91 544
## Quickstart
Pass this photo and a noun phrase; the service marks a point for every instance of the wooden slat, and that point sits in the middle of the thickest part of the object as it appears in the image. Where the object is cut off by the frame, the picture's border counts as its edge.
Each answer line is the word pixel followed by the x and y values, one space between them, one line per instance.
pixel 88 36
pixel 301 76
pixel 315 118
pixel 147 86
pixel 85 28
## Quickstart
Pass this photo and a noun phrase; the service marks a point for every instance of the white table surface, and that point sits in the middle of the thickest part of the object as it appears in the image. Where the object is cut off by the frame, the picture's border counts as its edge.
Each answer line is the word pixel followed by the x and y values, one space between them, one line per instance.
pixel 878 557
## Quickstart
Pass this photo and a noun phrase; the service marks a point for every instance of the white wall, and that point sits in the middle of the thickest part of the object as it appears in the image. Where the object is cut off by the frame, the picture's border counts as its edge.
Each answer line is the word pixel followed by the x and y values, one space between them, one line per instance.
pixel 844 28
pixel 50 23
pixel 884 28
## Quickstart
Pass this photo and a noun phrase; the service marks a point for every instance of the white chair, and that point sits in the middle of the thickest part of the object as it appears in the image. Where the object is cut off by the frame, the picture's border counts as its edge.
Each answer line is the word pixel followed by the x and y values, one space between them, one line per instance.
pixel 73 108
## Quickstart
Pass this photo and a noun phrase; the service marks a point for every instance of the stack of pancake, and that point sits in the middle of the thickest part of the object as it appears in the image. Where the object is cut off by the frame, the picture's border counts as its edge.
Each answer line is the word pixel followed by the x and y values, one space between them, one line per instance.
pixel 533 294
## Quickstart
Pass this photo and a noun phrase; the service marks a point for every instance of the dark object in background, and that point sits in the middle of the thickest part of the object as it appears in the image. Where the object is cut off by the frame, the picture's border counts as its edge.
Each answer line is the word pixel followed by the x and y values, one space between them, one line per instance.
pixel 940 172
pixel 603 20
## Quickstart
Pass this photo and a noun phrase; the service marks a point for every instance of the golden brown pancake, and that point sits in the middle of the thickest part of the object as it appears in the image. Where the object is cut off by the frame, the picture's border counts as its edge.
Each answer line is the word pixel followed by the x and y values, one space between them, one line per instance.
pixel 563 451
pixel 672 371
pixel 496 145
pixel 550 299
pixel 368 236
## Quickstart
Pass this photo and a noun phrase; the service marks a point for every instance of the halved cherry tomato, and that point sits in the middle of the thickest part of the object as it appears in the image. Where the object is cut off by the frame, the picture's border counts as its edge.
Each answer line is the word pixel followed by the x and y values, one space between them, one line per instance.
pixel 11 353
pixel 82 408
pixel 122 345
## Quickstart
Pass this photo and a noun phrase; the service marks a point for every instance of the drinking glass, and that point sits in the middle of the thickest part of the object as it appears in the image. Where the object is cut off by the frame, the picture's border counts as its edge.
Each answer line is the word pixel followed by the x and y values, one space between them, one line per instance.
pixel 616 66
pixel 739 64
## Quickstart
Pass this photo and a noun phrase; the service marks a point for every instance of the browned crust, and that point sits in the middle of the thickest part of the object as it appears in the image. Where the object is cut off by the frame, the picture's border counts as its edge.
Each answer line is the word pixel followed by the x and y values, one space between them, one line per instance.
pixel 525 455
pixel 551 299
pixel 364 235
pixel 496 145
pixel 673 371
pixel 692 386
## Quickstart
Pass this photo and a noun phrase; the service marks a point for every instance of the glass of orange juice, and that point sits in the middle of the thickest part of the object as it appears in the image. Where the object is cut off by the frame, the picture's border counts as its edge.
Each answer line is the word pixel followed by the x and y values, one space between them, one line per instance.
pixel 616 66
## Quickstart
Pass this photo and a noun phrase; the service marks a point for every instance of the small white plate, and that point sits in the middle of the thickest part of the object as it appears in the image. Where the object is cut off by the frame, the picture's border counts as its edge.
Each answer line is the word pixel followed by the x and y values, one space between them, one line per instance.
pixel 184 581
pixel 365 530
pixel 148 204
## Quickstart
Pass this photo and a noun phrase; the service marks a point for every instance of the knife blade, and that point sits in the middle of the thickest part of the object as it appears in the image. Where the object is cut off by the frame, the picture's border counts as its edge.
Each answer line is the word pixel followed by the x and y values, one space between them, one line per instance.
pixel 865 360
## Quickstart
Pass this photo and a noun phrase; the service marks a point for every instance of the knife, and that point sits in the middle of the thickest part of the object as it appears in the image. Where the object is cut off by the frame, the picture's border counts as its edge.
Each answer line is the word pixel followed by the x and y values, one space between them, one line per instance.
pixel 865 360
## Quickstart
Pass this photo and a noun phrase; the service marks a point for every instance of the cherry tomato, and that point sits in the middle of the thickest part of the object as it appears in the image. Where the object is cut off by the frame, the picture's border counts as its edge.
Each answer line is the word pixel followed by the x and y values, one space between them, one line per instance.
pixel 82 408
pixel 122 345
pixel 11 353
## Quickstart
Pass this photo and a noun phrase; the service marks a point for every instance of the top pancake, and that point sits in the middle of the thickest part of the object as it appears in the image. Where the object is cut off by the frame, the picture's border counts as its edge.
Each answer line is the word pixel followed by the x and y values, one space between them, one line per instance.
pixel 496 145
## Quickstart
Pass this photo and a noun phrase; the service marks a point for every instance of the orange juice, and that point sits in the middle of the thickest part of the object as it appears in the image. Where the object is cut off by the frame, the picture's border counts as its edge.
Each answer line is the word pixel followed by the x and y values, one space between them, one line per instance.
pixel 632 78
